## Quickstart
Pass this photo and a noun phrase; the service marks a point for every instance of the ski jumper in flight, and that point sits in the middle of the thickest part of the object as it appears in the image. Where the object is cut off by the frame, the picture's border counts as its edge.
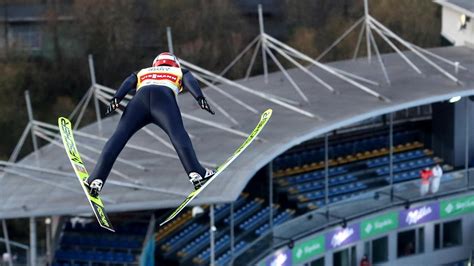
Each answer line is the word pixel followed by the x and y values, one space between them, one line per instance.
pixel 156 89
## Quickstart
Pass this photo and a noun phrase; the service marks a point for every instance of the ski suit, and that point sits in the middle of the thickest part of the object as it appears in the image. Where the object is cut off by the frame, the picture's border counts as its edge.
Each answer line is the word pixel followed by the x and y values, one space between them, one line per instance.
pixel 154 102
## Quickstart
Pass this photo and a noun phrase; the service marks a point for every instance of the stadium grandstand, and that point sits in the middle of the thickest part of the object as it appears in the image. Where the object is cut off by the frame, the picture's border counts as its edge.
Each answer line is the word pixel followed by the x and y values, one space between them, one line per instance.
pixel 334 178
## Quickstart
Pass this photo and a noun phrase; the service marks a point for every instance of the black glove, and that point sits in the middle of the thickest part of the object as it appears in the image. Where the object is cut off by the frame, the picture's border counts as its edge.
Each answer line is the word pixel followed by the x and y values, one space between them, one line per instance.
pixel 204 105
pixel 114 104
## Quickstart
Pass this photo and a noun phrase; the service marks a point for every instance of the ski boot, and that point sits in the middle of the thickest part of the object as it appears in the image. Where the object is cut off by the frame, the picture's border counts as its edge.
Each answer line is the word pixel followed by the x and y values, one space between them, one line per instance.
pixel 94 187
pixel 198 181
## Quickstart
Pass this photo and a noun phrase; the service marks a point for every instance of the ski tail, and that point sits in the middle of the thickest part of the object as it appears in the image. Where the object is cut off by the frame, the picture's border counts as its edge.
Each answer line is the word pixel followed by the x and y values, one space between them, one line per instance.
pixel 263 121
pixel 65 128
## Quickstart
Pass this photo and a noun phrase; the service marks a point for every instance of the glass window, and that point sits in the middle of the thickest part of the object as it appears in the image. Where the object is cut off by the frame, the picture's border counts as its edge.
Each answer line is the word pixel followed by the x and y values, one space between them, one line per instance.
pixel 318 262
pixel 345 257
pixel 437 236
pixel 421 240
pixel 452 234
pixel 406 243
pixel 380 250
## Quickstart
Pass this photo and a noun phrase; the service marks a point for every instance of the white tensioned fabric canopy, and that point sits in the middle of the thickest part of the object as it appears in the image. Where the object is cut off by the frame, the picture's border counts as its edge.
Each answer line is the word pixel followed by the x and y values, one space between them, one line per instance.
pixel 148 174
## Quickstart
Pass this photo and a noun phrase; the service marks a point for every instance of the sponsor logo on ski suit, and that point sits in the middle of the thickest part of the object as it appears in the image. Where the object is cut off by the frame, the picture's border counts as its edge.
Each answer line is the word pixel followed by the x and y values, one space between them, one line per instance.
pixel 170 77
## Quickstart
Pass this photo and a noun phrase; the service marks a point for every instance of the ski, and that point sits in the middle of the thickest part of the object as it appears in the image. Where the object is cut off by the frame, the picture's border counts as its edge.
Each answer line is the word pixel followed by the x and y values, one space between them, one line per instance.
pixel 96 203
pixel 263 121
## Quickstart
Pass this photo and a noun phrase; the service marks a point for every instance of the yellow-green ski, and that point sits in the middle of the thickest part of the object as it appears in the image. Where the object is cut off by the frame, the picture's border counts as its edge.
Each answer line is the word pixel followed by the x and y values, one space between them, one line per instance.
pixel 65 128
pixel 263 121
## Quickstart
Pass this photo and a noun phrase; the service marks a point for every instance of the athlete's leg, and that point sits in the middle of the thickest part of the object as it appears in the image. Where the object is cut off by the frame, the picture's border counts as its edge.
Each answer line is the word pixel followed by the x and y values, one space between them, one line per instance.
pixel 135 116
pixel 165 113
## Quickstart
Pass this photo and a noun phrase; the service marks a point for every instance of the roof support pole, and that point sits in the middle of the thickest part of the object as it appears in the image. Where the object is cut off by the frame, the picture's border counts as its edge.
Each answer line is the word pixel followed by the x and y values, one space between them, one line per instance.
pixel 29 109
pixel 232 237
pixel 408 45
pixel 96 101
pixel 252 60
pixel 226 94
pixel 390 143
pixel 394 47
pixel 212 230
pixel 33 236
pixel 382 65
pixel 89 94
pixel 270 194
pixel 283 70
pixel 338 40
pixel 367 29
pixel 304 69
pixel 326 171
pixel 467 101
pixel 359 41
pixel 7 242
pixel 169 37
pixel 264 43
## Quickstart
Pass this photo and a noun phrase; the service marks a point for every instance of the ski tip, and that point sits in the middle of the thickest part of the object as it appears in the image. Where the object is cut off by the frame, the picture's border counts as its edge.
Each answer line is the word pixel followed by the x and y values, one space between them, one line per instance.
pixel 267 113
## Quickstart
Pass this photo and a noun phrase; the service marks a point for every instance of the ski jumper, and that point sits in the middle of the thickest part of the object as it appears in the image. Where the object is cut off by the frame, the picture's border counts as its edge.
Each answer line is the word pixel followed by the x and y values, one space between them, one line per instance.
pixel 154 102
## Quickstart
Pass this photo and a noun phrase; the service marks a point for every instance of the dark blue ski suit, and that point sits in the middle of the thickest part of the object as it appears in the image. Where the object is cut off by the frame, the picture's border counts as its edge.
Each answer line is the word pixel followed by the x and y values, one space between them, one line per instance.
pixel 151 104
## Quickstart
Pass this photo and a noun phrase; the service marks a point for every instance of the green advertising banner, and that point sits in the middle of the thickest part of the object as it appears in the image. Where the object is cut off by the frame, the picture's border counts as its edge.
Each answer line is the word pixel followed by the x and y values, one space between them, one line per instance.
pixel 457 206
pixel 308 249
pixel 379 225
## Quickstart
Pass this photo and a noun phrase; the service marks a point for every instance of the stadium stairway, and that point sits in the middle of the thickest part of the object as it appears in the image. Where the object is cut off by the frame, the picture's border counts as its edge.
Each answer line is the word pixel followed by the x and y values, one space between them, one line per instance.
pixel 88 244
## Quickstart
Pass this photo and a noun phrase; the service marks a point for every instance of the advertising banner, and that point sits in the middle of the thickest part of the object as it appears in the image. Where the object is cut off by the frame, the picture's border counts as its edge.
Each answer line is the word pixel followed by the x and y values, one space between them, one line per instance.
pixel 343 236
pixel 280 258
pixel 457 206
pixel 308 249
pixel 379 225
pixel 419 215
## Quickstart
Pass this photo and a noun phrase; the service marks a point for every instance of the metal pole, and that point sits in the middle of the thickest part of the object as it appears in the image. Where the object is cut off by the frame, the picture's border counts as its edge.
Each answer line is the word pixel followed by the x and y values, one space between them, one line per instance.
pixel 367 33
pixel 32 241
pixel 232 250
pixel 7 242
pixel 96 101
pixel 211 214
pixel 270 193
pixel 29 109
pixel 390 137
pixel 264 45
pixel 169 37
pixel 466 159
pixel 326 171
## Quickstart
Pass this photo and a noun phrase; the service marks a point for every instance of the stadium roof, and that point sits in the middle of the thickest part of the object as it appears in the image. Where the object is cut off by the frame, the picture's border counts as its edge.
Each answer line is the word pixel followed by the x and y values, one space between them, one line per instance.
pixel 25 191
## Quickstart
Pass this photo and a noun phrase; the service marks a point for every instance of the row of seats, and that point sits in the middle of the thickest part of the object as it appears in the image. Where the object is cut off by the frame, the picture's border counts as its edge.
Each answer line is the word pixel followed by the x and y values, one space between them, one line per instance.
pixel 94 256
pixel 180 237
pixel 397 157
pixel 352 147
pixel 420 163
pixel 225 258
pixel 245 211
pixel 315 175
pixel 220 245
pixel 347 159
pixel 101 241
pixel 334 191
pixel 352 177
pixel 195 245
pixel 278 219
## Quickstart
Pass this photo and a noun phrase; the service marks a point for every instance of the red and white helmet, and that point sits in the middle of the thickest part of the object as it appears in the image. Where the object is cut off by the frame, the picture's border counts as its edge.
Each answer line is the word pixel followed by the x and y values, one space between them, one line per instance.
pixel 166 59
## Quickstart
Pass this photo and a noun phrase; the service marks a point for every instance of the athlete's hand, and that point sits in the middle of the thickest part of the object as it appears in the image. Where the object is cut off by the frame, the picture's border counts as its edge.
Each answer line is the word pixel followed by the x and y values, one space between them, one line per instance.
pixel 204 105
pixel 112 106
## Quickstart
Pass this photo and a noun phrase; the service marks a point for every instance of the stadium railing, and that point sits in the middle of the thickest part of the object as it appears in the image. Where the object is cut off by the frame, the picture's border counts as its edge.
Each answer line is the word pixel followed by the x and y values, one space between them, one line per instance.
pixel 404 194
